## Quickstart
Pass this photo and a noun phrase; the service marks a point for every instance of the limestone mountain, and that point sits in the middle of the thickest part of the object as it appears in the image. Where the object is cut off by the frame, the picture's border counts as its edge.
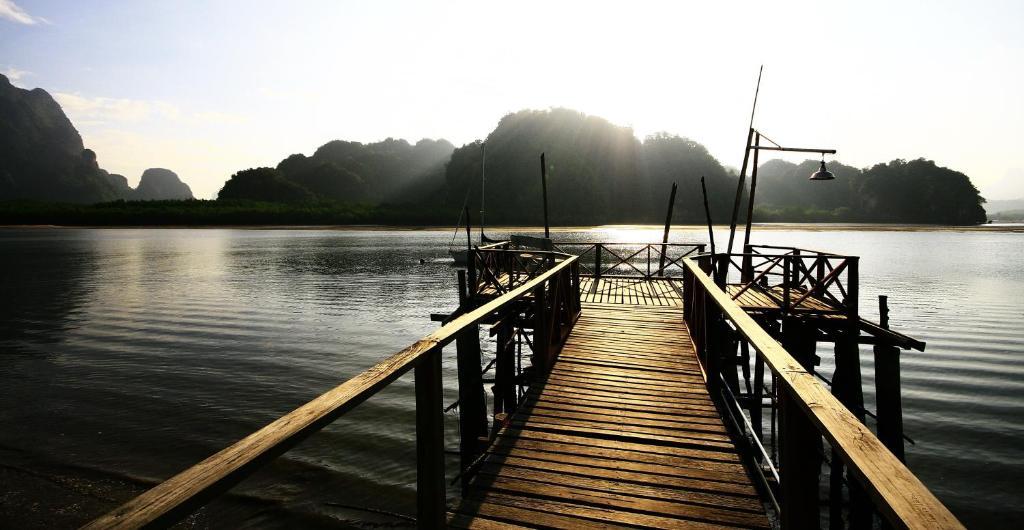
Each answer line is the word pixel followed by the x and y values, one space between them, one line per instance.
pixel 42 157
pixel 41 154
pixel 160 184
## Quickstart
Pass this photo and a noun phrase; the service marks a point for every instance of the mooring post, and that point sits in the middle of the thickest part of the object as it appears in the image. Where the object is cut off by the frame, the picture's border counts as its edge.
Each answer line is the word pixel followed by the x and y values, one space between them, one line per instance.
pixel 707 214
pixel 544 187
pixel 430 486
pixel 664 238
pixel 888 402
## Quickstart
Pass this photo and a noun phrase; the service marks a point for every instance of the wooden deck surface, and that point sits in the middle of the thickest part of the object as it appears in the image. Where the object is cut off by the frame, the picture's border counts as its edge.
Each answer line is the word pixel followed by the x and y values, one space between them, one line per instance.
pixel 636 291
pixel 621 434
pixel 770 299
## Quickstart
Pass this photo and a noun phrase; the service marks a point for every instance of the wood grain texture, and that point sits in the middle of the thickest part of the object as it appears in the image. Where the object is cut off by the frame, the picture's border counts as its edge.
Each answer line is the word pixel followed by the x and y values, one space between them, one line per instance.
pixel 622 432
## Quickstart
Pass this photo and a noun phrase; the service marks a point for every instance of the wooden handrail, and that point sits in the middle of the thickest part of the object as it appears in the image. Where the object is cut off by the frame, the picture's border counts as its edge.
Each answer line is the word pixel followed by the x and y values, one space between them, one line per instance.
pixel 757 278
pixel 779 247
pixel 183 493
pixel 897 494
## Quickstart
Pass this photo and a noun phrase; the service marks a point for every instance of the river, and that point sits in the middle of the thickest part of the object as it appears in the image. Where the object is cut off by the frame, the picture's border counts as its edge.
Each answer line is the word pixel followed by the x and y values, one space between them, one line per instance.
pixel 131 354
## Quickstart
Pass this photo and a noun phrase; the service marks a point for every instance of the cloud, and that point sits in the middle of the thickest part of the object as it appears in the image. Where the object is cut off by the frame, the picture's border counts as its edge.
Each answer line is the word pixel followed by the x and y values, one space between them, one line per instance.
pixel 11 11
pixel 13 74
pixel 103 110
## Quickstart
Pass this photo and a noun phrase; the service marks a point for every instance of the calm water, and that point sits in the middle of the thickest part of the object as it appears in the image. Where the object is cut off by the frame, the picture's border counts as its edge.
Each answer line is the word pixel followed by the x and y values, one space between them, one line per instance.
pixel 130 354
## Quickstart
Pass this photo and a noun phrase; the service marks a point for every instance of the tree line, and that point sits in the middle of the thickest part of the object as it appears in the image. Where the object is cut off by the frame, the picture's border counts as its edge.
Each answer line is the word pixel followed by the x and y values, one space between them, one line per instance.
pixel 599 173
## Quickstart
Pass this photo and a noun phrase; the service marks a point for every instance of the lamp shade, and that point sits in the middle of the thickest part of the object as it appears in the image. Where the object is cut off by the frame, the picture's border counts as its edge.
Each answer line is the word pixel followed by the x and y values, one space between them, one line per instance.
pixel 822 173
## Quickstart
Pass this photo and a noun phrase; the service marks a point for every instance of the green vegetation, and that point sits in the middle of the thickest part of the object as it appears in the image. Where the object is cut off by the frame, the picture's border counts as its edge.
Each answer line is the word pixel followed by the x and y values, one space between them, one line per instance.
pixel 916 191
pixel 227 212
pixel 597 172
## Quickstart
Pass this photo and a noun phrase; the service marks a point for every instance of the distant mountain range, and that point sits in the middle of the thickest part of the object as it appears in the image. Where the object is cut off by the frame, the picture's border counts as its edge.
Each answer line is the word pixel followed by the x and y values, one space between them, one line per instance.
pixel 598 172
pixel 42 157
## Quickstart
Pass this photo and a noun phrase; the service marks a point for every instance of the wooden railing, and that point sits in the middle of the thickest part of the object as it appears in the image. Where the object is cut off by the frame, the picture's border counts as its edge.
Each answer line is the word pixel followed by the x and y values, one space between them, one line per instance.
pixel 808 413
pixel 498 270
pixel 794 277
pixel 645 260
pixel 550 301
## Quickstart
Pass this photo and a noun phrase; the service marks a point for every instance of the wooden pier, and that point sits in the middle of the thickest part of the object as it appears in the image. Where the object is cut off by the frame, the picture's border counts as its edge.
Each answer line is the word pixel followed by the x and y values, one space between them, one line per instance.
pixel 621 431
pixel 629 385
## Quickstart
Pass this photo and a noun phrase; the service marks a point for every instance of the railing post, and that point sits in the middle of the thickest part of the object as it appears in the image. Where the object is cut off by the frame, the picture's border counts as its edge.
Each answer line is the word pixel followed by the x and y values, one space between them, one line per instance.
pixel 430 482
pixel 715 345
pixel 597 262
pixel 576 285
pixel 786 266
pixel 541 340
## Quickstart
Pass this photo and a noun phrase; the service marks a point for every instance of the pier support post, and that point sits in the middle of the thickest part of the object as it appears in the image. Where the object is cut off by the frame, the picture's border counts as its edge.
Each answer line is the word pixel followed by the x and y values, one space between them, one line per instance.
pixel 472 404
pixel 888 403
pixel 430 486
pixel 504 368
pixel 799 465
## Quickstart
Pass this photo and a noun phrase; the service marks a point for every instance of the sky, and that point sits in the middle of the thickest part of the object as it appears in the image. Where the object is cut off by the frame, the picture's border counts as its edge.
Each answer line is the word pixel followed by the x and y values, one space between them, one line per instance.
pixel 207 88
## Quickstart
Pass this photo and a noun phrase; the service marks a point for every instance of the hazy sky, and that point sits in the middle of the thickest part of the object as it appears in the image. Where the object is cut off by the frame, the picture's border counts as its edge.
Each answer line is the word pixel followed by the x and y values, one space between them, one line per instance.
pixel 206 88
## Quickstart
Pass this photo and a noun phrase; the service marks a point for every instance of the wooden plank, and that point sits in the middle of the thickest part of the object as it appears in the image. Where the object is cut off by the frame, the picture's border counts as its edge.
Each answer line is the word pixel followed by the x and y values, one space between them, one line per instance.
pixel 622 431
pixel 592 467
pixel 682 457
pixel 587 481
pixel 505 513
pixel 476 522
pixel 625 502
pixel 544 511
pixel 539 409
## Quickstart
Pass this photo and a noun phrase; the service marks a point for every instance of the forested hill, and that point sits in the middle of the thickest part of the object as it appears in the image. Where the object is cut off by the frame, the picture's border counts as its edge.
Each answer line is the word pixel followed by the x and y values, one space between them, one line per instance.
pixel 915 191
pixel 597 172
pixel 387 171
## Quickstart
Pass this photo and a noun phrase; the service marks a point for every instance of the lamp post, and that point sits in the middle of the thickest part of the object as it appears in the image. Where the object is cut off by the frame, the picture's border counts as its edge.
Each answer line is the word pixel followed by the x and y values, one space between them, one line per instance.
pixel 754 146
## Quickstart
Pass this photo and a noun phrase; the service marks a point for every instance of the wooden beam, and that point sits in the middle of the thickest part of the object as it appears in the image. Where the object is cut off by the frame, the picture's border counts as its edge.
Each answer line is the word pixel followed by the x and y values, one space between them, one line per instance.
pixel 793 149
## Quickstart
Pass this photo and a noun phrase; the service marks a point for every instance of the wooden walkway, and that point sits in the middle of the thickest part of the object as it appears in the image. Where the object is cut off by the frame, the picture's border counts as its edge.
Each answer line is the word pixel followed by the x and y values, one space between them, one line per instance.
pixel 634 291
pixel 622 433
